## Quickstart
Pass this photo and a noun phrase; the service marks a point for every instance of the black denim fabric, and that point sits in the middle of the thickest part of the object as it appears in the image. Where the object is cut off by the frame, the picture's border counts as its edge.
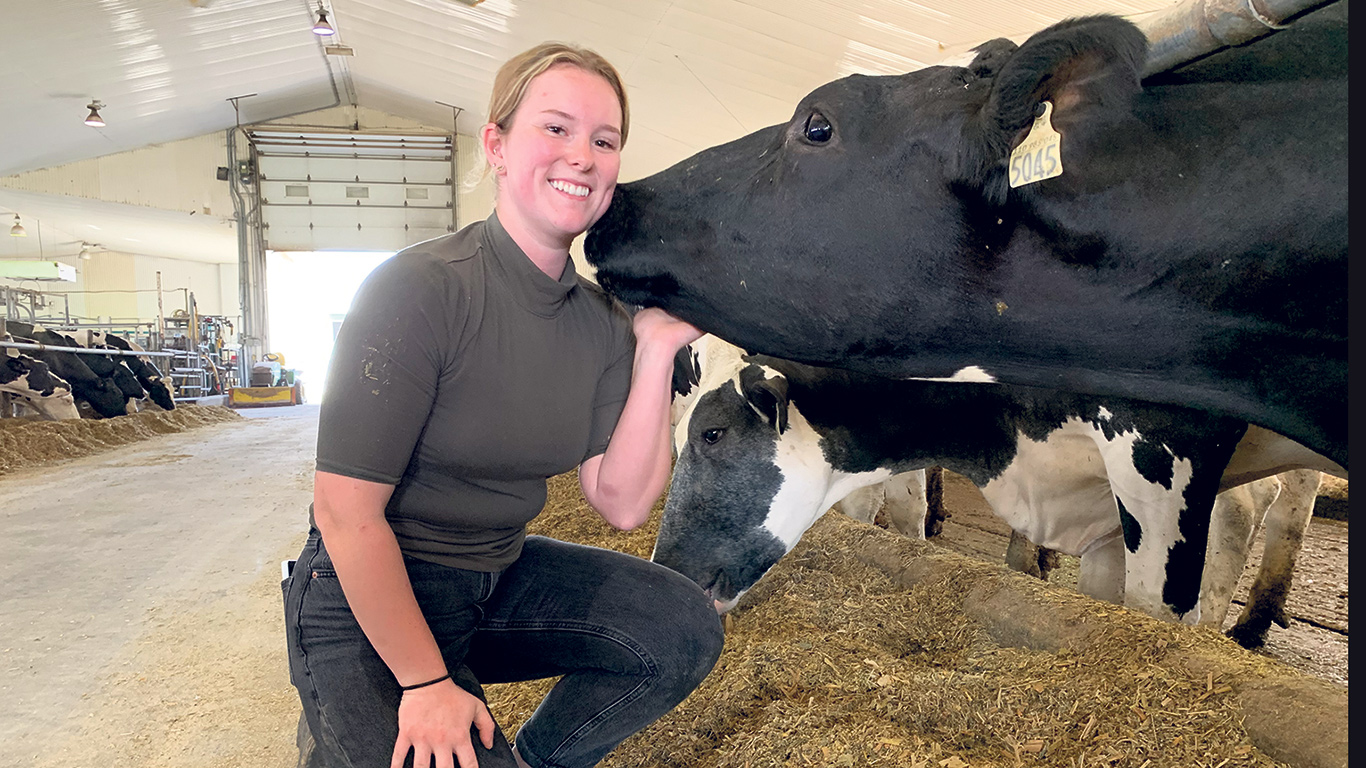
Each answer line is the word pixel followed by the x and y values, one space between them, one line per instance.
pixel 631 639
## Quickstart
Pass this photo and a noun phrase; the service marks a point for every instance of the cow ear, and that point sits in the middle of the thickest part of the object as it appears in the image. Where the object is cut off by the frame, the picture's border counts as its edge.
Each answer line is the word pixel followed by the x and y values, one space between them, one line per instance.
pixel 1081 65
pixel 989 56
pixel 767 394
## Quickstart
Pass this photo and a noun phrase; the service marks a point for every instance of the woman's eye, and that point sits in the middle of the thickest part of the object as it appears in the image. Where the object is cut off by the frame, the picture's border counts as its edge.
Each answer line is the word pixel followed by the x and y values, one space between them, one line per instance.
pixel 555 129
pixel 818 130
pixel 605 144
pixel 710 436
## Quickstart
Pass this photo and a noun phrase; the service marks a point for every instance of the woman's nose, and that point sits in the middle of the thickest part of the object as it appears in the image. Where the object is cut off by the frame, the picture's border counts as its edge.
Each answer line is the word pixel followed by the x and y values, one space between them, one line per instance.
pixel 580 154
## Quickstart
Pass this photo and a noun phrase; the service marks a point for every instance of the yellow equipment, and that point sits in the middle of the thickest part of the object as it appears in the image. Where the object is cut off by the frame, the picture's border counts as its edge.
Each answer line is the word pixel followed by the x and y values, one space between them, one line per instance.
pixel 271 384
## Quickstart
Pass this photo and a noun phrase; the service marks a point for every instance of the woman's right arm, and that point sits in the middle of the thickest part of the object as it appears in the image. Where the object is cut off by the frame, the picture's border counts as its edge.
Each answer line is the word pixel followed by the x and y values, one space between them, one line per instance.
pixel 434 720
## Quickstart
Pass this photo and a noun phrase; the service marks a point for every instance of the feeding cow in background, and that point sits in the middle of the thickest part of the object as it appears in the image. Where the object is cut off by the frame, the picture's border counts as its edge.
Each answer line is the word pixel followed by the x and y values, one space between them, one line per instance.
pixel 36 385
pixel 101 395
pixel 1191 251
pixel 1127 486
pixel 158 387
pixel 912 503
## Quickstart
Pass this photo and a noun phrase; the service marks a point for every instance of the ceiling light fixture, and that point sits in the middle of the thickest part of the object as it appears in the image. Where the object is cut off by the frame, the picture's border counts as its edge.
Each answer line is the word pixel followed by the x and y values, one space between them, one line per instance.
pixel 18 229
pixel 93 119
pixel 85 251
pixel 321 27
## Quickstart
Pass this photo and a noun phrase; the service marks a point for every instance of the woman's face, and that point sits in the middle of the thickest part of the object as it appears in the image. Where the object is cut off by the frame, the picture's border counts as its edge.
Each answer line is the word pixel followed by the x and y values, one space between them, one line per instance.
pixel 561 155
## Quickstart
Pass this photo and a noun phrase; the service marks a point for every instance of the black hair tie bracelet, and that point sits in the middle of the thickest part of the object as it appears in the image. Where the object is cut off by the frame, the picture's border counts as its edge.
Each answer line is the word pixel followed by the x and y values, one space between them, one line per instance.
pixel 406 688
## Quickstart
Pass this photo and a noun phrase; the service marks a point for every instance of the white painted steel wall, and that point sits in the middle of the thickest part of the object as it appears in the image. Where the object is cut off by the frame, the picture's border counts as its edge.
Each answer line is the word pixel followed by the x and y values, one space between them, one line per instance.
pixel 175 176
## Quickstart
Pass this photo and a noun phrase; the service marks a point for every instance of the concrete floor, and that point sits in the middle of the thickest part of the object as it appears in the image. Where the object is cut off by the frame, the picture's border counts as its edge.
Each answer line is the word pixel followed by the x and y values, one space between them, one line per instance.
pixel 100 553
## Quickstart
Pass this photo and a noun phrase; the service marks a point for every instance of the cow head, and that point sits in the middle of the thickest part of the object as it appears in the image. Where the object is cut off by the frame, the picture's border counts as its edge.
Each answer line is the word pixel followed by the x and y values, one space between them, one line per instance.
pixel 749 480
pixel 162 392
pixel 874 187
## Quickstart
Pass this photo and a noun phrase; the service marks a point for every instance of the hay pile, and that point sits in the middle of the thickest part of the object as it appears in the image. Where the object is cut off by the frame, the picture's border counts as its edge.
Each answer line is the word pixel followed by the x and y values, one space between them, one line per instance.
pixel 30 442
pixel 833 661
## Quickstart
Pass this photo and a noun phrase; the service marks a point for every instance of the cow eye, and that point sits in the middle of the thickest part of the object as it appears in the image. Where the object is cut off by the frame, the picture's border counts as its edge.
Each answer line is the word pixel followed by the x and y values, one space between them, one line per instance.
pixel 818 130
pixel 712 435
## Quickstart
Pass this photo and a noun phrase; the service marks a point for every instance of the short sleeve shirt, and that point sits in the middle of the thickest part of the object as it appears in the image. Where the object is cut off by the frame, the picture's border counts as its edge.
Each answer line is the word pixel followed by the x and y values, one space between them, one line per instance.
pixel 465 376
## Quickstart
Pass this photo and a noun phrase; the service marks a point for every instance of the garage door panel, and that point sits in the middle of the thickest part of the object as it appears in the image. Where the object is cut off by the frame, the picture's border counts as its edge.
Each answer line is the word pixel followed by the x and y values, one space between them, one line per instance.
pixel 353 190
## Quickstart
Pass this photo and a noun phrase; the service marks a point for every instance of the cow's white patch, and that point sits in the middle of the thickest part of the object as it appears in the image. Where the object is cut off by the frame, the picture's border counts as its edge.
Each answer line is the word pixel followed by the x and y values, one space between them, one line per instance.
pixel 1056 491
pixel 972 373
pixel 1104 413
pixel 807 481
pixel 1158 512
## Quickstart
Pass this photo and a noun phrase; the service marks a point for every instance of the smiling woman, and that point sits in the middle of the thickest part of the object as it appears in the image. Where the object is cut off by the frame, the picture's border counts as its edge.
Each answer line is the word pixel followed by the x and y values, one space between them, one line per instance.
pixel 469 370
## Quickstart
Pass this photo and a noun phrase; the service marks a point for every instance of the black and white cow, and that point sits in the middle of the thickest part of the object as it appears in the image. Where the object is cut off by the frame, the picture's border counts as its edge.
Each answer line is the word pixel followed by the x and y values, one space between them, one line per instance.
pixel 102 394
pixel 148 376
pixel 35 384
pixel 912 502
pixel 1126 485
pixel 1193 250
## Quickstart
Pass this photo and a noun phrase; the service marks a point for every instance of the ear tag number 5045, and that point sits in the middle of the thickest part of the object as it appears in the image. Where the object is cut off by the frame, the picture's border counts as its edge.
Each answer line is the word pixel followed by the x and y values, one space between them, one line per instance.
pixel 1039 156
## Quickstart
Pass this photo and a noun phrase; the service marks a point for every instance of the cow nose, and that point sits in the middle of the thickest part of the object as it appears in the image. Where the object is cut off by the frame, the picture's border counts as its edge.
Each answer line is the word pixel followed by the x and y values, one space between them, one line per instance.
pixel 719 606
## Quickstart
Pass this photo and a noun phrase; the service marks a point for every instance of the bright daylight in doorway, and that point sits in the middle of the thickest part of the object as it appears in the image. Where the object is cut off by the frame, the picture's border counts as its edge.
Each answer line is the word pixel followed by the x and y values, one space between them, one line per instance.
pixel 309 294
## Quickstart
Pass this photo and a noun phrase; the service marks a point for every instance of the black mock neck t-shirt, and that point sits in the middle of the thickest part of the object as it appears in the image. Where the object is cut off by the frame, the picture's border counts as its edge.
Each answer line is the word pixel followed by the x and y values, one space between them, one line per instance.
pixel 465 376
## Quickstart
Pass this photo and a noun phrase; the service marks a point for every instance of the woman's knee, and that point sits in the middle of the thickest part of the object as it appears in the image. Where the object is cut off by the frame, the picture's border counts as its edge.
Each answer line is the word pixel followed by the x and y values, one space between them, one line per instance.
pixel 692 631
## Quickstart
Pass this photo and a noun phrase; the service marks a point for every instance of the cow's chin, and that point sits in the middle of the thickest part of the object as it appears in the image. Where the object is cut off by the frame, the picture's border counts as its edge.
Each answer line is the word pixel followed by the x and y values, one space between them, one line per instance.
pixel 724 606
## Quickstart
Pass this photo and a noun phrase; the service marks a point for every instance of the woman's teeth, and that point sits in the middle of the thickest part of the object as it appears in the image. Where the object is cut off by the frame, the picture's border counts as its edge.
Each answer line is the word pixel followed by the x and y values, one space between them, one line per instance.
pixel 570 189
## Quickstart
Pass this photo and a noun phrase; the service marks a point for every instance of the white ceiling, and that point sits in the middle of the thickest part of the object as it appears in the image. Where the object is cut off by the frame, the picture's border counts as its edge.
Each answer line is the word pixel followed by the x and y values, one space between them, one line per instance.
pixel 698 72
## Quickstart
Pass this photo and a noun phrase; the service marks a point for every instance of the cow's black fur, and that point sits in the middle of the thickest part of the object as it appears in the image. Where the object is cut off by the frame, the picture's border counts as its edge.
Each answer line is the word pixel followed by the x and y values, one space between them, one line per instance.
pixel 1193 251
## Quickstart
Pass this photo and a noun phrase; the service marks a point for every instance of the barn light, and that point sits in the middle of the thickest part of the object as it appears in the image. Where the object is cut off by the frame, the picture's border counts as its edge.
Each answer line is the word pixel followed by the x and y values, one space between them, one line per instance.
pixel 18 229
pixel 85 251
pixel 93 119
pixel 321 27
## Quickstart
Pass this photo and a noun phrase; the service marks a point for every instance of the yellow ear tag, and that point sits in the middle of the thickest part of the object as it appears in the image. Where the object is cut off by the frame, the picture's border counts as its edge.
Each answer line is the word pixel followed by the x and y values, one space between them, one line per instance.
pixel 1039 156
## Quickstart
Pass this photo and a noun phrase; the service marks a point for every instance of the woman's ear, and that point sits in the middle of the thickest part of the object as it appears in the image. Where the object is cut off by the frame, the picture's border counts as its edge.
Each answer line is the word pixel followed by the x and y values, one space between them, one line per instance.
pixel 491 139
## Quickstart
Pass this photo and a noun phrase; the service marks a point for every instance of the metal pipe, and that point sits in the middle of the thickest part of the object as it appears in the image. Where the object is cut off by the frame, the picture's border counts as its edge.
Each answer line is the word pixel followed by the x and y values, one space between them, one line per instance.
pixel 1199 27
pixel 34 347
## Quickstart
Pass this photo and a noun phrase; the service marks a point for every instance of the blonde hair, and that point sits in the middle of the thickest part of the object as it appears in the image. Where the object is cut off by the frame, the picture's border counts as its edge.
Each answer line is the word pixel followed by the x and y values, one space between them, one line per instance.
pixel 515 76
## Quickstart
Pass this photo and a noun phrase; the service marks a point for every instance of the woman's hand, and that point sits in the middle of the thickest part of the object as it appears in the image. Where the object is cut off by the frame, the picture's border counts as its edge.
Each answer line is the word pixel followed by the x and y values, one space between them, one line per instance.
pixel 655 327
pixel 435 722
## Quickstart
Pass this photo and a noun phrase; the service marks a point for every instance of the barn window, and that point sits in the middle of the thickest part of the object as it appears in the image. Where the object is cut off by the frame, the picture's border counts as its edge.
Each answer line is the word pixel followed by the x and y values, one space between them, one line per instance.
pixel 296 190
pixel 417 193
pixel 358 192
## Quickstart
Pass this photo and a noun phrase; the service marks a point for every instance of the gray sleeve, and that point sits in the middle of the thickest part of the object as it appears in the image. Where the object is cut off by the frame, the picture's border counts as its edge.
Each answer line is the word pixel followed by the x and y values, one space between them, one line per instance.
pixel 388 357
pixel 614 384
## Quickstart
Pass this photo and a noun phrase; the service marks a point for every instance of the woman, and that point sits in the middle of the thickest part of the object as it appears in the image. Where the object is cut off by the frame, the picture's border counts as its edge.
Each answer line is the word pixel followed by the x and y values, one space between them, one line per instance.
pixel 470 369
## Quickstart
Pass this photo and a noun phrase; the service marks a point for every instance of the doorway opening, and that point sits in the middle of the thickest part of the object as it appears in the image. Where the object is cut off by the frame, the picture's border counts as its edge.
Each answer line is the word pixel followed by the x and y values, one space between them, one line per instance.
pixel 309 295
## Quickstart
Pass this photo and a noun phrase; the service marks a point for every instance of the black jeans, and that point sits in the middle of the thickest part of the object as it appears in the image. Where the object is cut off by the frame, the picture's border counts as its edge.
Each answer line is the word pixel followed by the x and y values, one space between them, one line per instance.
pixel 632 639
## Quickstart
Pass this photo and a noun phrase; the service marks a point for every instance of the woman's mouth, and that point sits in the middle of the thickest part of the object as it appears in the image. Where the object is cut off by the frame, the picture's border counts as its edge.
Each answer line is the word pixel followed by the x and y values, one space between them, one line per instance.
pixel 573 190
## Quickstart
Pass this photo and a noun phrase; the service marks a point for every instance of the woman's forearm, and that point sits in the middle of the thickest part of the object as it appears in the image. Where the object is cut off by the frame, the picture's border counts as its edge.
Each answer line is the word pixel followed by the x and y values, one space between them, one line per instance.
pixel 349 514
pixel 634 470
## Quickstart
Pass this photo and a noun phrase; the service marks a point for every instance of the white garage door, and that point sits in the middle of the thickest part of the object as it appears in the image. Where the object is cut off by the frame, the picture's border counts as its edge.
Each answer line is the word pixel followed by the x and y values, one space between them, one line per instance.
pixel 353 191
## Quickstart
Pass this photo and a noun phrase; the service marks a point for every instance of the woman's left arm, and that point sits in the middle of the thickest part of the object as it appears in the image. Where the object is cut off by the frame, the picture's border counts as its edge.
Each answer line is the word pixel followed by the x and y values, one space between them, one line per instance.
pixel 624 483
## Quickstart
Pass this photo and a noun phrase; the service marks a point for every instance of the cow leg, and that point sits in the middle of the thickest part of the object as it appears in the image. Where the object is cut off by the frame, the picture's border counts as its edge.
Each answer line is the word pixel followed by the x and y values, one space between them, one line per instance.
pixel 863 503
pixel 1286 521
pixel 1103 571
pixel 1233 522
pixel 906 504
